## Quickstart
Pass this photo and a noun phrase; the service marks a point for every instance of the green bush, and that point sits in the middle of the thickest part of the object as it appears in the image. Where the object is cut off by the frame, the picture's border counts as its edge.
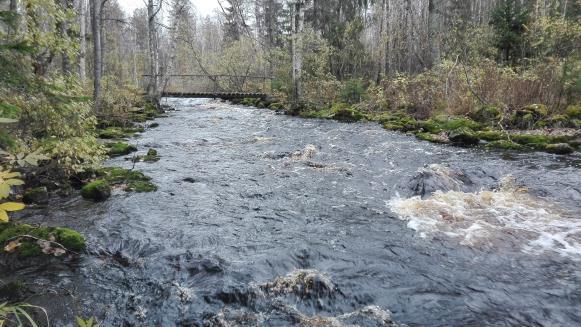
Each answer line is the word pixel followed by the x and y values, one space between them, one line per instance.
pixel 353 91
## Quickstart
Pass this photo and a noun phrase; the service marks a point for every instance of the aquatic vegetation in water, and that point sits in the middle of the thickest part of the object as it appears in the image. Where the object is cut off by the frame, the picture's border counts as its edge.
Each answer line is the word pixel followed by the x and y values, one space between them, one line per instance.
pixel 508 215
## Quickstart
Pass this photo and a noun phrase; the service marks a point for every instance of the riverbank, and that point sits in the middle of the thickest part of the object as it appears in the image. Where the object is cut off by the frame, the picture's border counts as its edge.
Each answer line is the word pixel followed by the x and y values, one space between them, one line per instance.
pixel 528 129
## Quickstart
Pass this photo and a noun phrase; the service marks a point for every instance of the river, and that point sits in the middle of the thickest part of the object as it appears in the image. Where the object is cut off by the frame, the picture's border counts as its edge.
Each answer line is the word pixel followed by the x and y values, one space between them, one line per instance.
pixel 263 219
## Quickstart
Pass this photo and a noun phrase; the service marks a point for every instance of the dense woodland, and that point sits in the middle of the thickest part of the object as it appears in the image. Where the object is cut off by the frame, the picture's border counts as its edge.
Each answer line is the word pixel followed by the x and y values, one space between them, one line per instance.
pixel 75 72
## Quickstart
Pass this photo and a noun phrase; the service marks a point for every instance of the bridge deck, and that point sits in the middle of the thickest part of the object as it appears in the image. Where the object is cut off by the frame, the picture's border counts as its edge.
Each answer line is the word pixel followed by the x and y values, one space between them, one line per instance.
pixel 214 95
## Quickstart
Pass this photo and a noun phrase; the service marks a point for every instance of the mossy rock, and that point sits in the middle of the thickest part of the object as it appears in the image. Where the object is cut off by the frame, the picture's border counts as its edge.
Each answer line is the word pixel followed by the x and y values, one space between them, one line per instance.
pixel 141 187
pixel 98 190
pixel 343 112
pixel 463 136
pixel 397 122
pixel 559 148
pixel 69 238
pixel 135 180
pixel 153 125
pixel 537 110
pixel 528 139
pixel 277 106
pixel 505 144
pixel 491 135
pixel 441 124
pixel 120 149
pixel 37 195
pixel 435 138
pixel 150 157
pixel 487 114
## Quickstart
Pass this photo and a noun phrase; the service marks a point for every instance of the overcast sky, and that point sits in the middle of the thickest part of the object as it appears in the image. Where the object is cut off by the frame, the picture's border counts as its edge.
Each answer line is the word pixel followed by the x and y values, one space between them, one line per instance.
pixel 204 7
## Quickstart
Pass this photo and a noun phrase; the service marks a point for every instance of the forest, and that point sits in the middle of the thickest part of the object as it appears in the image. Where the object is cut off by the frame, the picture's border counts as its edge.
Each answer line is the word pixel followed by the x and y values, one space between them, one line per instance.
pixel 82 80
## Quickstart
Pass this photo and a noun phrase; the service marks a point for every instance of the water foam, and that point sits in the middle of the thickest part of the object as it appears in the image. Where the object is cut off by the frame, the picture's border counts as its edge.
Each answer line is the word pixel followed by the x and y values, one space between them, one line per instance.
pixel 506 216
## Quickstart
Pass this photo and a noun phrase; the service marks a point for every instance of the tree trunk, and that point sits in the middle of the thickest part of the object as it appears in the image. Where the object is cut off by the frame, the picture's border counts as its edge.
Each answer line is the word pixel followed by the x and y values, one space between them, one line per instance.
pixel 433 31
pixel 96 29
pixel 152 88
pixel 63 29
pixel 83 41
pixel 297 45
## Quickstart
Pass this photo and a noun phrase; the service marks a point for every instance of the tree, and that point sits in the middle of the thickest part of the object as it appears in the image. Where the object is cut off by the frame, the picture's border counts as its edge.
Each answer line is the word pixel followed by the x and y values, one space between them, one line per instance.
pixel 153 45
pixel 96 30
pixel 509 22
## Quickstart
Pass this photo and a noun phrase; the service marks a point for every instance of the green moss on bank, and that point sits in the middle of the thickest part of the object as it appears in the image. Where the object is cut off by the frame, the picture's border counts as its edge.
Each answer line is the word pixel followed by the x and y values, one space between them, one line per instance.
pixel 69 238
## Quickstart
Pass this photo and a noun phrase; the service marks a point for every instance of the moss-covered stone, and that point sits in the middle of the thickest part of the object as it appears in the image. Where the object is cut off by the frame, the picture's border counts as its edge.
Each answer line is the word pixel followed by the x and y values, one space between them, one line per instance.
pixel 559 148
pixel 69 238
pixel 150 157
pixel 463 136
pixel 141 187
pixel 491 135
pixel 505 144
pixel 120 149
pixel 98 190
pixel 436 138
pixel 110 133
pixel 37 195
pixel 343 112
pixel 135 180
pixel 397 122
pixel 440 124
pixel 537 110
pixel 486 114
pixel 539 139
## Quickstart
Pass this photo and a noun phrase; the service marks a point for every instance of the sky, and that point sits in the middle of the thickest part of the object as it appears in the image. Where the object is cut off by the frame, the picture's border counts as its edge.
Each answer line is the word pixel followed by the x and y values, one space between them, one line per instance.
pixel 204 7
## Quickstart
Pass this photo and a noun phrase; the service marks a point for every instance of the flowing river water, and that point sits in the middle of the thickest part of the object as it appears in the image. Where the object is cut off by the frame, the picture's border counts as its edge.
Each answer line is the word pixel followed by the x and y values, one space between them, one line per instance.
pixel 263 219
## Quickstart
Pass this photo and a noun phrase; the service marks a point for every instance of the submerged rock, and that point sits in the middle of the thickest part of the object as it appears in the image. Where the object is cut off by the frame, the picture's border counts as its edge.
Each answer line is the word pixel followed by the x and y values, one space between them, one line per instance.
pixel 304 283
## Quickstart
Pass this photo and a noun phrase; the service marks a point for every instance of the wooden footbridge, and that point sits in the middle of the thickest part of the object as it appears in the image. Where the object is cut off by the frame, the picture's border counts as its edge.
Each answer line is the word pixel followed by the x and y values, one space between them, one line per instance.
pixel 226 87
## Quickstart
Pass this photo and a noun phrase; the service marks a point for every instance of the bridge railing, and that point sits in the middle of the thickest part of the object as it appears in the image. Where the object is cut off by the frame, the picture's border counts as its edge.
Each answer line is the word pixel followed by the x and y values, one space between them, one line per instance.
pixel 199 83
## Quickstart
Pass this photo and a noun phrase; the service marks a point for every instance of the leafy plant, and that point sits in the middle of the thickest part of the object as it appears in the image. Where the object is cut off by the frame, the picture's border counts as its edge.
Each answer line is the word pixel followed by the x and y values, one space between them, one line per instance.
pixel 91 322
pixel 7 180
pixel 23 159
pixel 18 314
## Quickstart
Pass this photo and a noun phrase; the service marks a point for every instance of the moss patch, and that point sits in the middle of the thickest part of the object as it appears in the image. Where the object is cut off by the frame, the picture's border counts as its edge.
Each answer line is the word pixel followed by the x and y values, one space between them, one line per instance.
pixel 151 156
pixel 69 238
